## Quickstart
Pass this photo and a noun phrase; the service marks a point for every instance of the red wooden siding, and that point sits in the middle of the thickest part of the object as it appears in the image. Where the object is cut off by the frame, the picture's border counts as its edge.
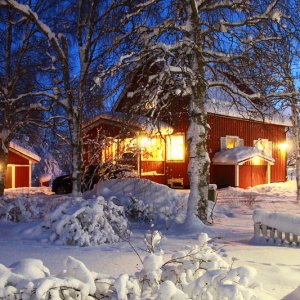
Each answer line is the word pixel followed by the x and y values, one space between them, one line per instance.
pixel 16 159
pixel 249 131
pixel 22 176
pixel 149 166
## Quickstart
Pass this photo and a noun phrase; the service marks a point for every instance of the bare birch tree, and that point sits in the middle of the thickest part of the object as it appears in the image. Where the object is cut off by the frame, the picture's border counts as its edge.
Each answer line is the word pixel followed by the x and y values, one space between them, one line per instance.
pixel 23 96
pixel 278 71
pixel 75 47
pixel 191 40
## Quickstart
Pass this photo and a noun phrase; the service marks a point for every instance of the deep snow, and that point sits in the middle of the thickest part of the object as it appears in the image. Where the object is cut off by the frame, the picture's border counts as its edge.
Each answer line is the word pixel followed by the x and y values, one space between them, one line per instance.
pixel 278 268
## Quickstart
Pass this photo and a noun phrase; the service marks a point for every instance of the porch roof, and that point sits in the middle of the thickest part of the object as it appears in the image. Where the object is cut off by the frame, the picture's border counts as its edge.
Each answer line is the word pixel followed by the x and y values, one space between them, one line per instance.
pixel 239 155
pixel 142 123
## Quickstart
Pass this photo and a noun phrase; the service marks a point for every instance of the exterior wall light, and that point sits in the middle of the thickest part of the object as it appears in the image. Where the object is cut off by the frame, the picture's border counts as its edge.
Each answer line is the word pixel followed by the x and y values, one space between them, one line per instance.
pixel 256 160
pixel 283 146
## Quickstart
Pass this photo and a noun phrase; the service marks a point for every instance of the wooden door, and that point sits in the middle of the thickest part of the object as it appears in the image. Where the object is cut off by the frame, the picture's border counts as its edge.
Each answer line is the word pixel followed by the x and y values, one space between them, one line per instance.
pixel 22 176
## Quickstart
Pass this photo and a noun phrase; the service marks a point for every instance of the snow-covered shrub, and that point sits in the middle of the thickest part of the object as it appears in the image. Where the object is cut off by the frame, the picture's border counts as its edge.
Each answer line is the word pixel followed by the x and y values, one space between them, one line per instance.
pixel 197 272
pixel 18 210
pixel 87 222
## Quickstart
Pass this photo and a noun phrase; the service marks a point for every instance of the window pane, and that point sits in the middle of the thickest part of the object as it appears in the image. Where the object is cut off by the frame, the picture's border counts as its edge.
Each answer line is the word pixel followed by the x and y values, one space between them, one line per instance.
pixel 152 149
pixel 175 147
pixel 231 142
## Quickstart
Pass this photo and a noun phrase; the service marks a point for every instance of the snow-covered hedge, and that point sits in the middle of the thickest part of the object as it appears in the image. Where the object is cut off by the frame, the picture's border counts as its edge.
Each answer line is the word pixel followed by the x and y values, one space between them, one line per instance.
pixel 198 272
pixel 86 222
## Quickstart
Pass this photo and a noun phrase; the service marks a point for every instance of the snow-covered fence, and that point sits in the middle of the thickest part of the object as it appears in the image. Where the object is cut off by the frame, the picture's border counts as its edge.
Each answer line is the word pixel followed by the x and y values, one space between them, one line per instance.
pixel 277 227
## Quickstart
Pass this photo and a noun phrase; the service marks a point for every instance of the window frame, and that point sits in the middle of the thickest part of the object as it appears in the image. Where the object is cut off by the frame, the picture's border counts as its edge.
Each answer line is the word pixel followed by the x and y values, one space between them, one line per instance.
pixel 224 139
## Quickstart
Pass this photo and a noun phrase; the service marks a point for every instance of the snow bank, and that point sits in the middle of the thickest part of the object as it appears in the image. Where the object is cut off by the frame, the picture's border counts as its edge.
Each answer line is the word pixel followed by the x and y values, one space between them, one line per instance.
pixel 144 200
pixel 284 222
pixel 198 272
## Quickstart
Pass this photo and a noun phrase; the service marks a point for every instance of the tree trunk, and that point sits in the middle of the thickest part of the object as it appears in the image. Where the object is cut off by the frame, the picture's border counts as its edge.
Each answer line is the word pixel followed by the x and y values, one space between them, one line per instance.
pixel 199 162
pixel 76 156
pixel 296 124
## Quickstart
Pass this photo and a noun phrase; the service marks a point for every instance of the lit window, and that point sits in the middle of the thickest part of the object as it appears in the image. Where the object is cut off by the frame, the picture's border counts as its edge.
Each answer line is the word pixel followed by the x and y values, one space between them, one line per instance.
pixel 113 149
pixel 175 147
pixel 152 149
pixel 229 142
pixel 264 145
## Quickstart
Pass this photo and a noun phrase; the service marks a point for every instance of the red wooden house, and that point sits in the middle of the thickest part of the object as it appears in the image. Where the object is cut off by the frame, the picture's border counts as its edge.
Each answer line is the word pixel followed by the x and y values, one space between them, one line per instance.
pixel 19 168
pixel 244 152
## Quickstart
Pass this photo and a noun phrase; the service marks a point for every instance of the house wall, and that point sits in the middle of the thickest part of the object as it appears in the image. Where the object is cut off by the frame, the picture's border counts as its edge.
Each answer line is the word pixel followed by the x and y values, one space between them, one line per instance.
pixel 220 127
pixel 18 173
pixel 249 131
pixel 16 159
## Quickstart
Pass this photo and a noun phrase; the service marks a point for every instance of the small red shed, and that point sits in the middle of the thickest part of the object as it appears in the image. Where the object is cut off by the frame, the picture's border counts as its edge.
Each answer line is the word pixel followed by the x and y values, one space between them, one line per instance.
pixel 19 167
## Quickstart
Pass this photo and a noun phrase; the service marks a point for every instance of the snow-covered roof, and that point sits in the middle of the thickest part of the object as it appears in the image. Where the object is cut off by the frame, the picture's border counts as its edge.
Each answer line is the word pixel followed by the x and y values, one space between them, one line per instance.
pixel 218 102
pixel 144 123
pixel 239 155
pixel 26 152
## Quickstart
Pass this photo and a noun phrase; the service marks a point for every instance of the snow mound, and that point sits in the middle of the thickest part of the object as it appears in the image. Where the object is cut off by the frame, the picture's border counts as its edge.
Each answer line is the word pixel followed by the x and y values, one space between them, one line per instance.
pixel 198 272
pixel 144 200
pixel 86 223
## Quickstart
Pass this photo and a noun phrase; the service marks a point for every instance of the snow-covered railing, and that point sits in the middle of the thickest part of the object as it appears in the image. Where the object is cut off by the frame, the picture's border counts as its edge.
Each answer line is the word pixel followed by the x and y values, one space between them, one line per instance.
pixel 277 227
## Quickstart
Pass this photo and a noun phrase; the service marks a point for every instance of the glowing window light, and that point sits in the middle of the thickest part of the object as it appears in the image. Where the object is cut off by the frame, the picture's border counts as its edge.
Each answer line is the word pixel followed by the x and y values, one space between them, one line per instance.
pixel 283 146
pixel 175 147
pixel 152 149
pixel 146 142
pixel 256 160
pixel 230 143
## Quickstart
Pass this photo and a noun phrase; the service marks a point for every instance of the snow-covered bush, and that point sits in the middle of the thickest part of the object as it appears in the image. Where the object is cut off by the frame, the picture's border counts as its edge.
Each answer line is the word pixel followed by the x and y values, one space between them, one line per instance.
pixel 145 200
pixel 197 272
pixel 87 222
pixel 19 210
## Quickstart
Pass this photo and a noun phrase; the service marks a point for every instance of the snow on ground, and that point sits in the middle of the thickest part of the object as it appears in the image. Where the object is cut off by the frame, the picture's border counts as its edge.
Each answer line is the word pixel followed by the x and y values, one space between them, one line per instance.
pixel 278 267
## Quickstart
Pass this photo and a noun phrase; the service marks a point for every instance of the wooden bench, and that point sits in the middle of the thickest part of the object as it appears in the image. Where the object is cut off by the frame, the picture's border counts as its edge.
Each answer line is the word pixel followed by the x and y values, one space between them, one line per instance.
pixel 277 227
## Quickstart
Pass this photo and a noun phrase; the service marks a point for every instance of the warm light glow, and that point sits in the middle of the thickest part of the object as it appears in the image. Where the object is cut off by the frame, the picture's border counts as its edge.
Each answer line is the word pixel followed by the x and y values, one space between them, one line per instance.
pixel 230 143
pixel 175 147
pixel 145 142
pixel 256 160
pixel 1 167
pixel 283 146
pixel 152 149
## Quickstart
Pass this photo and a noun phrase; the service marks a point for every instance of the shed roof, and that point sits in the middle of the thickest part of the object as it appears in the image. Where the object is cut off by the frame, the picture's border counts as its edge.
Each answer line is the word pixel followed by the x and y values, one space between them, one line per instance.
pixel 239 155
pixel 24 152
